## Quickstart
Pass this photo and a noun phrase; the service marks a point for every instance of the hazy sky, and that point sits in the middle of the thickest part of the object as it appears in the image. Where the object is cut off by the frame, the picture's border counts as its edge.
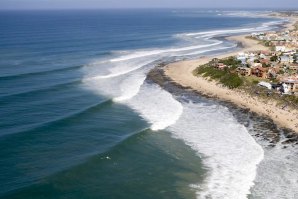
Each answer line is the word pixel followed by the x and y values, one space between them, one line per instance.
pixel 65 4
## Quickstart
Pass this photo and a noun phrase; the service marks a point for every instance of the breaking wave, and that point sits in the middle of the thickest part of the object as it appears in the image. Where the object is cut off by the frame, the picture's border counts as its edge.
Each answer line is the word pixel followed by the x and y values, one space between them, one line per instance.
pixel 229 151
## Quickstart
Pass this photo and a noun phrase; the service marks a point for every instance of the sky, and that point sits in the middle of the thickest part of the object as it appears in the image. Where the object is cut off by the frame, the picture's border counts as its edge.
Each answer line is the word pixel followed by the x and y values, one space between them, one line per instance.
pixel 101 4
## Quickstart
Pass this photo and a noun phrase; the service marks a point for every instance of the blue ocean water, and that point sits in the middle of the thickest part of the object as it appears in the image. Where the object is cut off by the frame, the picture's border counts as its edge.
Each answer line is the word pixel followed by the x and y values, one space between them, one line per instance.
pixel 78 119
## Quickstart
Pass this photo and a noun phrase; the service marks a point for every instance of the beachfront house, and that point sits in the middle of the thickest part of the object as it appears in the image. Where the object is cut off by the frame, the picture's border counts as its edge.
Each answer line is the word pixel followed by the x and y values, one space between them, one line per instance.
pixel 242 57
pixel 214 62
pixel 221 66
pixel 251 58
pixel 291 84
pixel 244 71
pixel 259 72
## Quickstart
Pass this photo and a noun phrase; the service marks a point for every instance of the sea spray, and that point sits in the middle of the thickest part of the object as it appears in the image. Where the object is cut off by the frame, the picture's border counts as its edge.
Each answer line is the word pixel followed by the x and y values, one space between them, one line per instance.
pixel 157 106
pixel 227 148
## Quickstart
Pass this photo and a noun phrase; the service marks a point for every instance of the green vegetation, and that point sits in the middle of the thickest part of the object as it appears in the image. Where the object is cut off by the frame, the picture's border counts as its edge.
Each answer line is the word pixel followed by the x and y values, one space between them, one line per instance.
pixel 255 81
pixel 226 77
pixel 231 61
pixel 274 58
pixel 229 78
pixel 265 65
pixel 292 99
pixel 267 43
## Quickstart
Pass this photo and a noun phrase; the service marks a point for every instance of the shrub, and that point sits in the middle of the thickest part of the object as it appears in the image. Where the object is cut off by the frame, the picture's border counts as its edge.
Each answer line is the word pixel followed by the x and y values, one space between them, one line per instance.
pixel 231 80
pixel 227 78
pixel 255 81
pixel 274 58
pixel 231 61
pixel 211 72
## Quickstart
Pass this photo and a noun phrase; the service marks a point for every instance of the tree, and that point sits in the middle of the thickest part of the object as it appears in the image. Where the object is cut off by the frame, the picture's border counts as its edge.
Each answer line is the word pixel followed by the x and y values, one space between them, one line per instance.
pixel 274 58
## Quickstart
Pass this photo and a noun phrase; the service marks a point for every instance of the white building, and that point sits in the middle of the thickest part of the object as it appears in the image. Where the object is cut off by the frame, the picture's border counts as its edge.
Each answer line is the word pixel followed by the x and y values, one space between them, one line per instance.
pixel 280 48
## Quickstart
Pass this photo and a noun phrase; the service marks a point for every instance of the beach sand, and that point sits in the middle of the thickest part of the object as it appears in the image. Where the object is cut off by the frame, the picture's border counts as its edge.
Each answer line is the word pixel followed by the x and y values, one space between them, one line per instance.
pixel 182 73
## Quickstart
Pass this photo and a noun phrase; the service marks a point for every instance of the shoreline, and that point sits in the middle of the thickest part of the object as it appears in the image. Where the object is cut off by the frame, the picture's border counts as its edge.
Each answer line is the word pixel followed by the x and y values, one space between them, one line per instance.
pixel 181 72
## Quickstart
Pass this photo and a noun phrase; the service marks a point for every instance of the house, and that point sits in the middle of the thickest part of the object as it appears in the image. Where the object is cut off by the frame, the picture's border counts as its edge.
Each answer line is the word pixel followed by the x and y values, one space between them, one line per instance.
pixel 265 61
pixel 259 72
pixel 254 65
pixel 286 59
pixel 214 62
pixel 251 58
pixel 221 66
pixel 291 84
pixel 280 48
pixel 266 52
pixel 244 71
pixel 242 57
pixel 272 72
pixel 293 66
pixel 262 56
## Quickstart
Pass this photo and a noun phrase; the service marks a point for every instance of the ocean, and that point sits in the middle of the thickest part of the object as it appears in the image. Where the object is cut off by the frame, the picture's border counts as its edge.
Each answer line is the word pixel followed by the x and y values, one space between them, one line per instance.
pixel 79 119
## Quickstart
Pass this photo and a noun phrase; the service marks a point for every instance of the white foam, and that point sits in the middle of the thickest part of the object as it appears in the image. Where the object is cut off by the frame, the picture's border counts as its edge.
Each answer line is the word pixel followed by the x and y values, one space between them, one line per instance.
pixel 143 53
pixel 157 106
pixel 228 150
pixel 209 34
pixel 154 104
pixel 115 70
pixel 130 87
pixel 204 51
pixel 277 174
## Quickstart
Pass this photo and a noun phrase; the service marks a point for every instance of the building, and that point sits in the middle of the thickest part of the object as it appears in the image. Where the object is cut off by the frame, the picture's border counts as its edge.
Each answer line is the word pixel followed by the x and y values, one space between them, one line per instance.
pixel 221 66
pixel 260 72
pixel 244 71
pixel 291 83
pixel 286 59
pixel 280 48
pixel 293 66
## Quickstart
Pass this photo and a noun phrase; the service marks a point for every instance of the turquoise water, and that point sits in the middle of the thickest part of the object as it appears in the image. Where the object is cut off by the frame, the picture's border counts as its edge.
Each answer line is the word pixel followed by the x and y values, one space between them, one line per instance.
pixel 77 115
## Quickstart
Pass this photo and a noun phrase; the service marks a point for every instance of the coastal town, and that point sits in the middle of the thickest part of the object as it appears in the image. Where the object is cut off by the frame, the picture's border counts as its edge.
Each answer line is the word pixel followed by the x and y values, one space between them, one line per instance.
pixel 261 76
pixel 275 68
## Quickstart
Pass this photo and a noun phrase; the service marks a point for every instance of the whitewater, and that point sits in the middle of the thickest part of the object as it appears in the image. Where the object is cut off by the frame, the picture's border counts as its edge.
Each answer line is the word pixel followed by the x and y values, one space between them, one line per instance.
pixel 226 147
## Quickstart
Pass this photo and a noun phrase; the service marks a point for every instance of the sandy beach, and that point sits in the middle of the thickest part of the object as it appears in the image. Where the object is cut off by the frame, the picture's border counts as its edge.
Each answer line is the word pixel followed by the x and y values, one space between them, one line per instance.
pixel 182 73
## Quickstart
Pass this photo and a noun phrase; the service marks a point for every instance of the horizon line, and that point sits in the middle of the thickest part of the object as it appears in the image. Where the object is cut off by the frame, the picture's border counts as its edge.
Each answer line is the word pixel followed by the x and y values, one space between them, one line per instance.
pixel 152 8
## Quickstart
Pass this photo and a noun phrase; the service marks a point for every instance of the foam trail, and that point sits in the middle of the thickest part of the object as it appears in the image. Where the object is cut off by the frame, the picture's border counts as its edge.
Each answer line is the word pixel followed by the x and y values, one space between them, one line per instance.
pixel 204 51
pixel 229 151
pixel 227 148
pixel 130 87
pixel 120 70
pixel 154 104
pixel 157 106
pixel 158 52
pixel 209 34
